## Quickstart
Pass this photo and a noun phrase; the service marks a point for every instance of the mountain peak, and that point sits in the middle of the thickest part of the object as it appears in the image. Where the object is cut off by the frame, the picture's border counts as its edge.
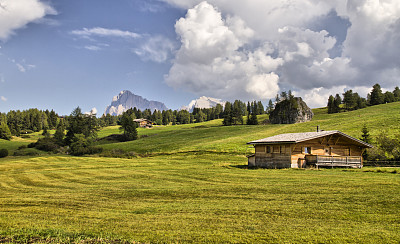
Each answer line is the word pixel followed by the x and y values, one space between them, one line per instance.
pixel 126 100
pixel 203 102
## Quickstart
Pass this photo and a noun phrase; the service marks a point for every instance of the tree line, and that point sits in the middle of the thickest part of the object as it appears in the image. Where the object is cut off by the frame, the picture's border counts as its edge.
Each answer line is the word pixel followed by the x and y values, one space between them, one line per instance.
pixel 353 101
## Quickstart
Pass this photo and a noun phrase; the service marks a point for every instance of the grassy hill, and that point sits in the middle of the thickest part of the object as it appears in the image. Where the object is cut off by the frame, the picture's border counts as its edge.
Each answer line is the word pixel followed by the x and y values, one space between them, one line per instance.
pixel 192 186
pixel 212 137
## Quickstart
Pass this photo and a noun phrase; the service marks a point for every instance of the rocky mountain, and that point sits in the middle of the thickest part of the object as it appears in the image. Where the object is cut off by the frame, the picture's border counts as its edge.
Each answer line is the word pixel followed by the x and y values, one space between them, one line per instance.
pixel 203 102
pixel 291 111
pixel 126 100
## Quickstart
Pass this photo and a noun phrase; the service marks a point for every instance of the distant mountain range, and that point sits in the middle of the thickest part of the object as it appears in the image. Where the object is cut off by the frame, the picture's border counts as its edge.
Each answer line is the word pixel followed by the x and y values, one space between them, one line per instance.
pixel 203 102
pixel 126 100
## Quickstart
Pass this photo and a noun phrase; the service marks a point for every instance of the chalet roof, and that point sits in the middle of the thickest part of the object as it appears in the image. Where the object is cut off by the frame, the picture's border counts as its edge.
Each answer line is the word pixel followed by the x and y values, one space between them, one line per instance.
pixel 141 120
pixel 306 136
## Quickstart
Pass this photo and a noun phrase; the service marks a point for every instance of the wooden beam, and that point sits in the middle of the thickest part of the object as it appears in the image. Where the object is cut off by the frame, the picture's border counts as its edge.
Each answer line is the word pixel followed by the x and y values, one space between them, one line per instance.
pixel 337 140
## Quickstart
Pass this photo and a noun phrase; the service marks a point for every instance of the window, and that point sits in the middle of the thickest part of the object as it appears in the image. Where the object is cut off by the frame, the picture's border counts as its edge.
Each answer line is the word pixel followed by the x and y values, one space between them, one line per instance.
pixel 277 149
pixel 307 150
pixel 268 149
pixel 347 152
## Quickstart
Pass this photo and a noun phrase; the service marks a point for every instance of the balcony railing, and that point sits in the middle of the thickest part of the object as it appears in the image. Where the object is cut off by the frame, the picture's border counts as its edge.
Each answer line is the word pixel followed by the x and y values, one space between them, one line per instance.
pixel 334 161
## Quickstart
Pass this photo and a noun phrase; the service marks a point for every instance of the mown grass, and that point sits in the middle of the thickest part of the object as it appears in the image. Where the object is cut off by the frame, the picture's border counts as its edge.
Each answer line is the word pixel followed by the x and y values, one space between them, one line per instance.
pixel 190 183
pixel 203 197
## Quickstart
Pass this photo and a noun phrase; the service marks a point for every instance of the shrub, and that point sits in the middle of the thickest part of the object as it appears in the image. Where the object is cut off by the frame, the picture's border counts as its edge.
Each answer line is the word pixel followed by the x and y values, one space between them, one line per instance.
pixel 46 144
pixel 3 153
pixel 22 147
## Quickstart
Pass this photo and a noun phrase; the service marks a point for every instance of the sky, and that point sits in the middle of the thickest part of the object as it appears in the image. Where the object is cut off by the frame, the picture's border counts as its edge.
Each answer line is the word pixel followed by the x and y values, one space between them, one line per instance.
pixel 60 54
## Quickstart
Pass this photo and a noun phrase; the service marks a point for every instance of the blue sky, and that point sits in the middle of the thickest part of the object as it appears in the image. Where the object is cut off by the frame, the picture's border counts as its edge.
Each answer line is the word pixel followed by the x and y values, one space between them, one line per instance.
pixel 68 53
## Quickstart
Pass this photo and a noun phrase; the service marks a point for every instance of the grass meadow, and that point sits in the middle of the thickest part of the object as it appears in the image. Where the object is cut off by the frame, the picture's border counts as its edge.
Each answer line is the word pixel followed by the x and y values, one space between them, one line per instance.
pixel 190 184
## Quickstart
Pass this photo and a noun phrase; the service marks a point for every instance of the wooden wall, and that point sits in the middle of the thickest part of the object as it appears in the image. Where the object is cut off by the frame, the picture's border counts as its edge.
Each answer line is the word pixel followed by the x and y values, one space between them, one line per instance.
pixel 293 155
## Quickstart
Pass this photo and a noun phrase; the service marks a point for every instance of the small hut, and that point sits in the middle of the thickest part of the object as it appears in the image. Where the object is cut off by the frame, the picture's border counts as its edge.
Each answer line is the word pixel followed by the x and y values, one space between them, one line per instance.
pixel 298 150
pixel 144 123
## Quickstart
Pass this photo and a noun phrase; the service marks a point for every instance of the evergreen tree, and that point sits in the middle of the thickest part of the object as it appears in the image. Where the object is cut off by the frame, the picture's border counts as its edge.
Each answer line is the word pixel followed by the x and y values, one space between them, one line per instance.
pixel 337 102
pixel 260 108
pixel 5 132
pixel 389 97
pixel 270 107
pixel 349 100
pixel 277 99
pixel 227 114
pixel 376 95
pixel 396 94
pixel 59 134
pixel 129 127
pixel 218 111
pixel 331 104
pixel 365 137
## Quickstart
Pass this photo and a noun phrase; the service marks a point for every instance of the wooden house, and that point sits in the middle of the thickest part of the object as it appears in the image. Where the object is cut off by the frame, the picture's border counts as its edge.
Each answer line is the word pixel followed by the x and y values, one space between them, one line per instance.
pixel 144 123
pixel 298 150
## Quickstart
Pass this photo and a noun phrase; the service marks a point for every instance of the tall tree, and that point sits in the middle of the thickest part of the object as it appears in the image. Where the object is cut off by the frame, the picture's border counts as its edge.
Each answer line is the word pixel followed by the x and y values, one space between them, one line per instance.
pixel 376 95
pixel 227 114
pixel 396 93
pixel 129 127
pixel 59 134
pixel 270 106
pixel 260 108
pixel 5 132
pixel 331 104
pixel 337 102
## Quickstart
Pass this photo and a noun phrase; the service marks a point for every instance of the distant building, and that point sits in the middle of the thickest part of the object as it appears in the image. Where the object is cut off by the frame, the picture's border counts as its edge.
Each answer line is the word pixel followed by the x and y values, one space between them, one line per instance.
pixel 144 123
pixel 298 150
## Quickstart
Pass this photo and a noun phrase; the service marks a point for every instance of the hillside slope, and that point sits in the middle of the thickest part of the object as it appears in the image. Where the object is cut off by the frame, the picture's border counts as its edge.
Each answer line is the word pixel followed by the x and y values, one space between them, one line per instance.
pixel 211 136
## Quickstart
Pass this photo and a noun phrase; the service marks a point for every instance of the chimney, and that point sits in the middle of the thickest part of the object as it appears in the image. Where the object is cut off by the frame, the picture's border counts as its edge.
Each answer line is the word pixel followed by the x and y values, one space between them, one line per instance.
pixel 318 128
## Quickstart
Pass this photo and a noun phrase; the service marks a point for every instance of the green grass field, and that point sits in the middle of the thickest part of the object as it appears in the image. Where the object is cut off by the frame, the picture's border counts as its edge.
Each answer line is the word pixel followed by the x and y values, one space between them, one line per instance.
pixel 190 183
pixel 194 198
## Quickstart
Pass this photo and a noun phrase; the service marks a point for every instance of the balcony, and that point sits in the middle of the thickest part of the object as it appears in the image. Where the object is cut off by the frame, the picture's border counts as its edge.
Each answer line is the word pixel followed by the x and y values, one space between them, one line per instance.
pixel 334 161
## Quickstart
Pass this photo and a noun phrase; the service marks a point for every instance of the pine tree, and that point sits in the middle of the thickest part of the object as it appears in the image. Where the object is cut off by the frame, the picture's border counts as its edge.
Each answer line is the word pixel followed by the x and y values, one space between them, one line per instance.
pixel 396 94
pixel 129 127
pixel 365 137
pixel 227 114
pixel 337 102
pixel 331 104
pixel 59 134
pixel 376 95
pixel 5 132
pixel 270 106
pixel 260 108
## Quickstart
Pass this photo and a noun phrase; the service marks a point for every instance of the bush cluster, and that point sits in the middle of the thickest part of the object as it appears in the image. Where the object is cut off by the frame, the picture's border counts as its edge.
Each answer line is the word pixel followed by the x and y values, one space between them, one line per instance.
pixel 3 153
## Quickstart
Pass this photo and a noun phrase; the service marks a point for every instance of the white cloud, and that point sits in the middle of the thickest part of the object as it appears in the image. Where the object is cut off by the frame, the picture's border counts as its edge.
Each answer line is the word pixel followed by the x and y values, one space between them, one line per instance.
pixel 93 111
pixel 157 49
pixel 16 14
pixel 103 32
pixel 212 59
pixel 3 99
pixel 93 48
pixel 228 48
pixel 20 67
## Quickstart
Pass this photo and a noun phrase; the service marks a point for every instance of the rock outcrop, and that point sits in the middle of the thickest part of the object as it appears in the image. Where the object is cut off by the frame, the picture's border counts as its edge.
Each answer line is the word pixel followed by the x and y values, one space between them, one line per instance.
pixel 126 100
pixel 203 102
pixel 291 111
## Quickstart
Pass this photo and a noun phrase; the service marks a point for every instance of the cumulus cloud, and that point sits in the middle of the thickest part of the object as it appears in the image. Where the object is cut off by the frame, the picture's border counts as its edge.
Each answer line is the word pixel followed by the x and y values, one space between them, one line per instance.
pixel 3 99
pixel 156 48
pixel 93 111
pixel 16 14
pixel 213 59
pixel 252 50
pixel 104 32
